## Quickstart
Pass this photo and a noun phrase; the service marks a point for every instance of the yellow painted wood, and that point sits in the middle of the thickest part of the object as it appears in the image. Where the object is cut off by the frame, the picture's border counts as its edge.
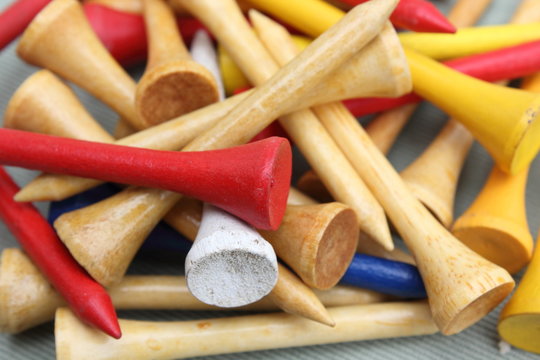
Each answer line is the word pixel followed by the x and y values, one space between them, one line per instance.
pixel 469 41
pixel 495 225
pixel 509 130
pixel 232 76
pixel 313 17
pixel 519 322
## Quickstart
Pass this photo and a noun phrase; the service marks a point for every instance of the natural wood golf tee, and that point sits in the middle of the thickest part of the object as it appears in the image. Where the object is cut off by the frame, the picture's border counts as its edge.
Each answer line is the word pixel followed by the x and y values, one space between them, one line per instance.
pixel 27 299
pixel 173 84
pixel 167 340
pixel 234 33
pixel 462 286
pixel 280 94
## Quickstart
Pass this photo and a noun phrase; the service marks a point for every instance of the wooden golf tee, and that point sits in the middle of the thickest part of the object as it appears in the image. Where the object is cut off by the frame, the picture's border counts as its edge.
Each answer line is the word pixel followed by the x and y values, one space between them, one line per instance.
pixel 56 111
pixel 509 136
pixel 310 238
pixel 175 134
pixel 61 40
pixel 257 192
pixel 245 275
pixel 469 41
pixel 27 300
pixel 433 176
pixel 519 319
pixel 171 135
pixel 173 84
pixel 389 75
pixel 313 17
pixel 290 293
pixel 385 128
pixel 317 242
pixel 160 340
pixel 267 32
pixel 495 225
pixel 235 34
pixel 276 96
pixel 250 270
pixel 87 298
pixel 298 198
pixel 462 286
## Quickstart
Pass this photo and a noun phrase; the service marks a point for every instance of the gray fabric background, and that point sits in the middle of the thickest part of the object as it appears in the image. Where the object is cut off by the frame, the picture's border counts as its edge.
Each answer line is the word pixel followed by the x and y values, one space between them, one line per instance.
pixel 478 342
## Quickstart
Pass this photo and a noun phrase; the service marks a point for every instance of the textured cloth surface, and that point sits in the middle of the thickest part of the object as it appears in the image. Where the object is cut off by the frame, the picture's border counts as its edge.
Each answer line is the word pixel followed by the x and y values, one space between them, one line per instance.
pixel 478 342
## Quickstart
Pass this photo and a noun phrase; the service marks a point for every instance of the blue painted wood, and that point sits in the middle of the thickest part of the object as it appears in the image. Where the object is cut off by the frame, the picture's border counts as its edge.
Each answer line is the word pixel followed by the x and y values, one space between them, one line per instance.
pixel 385 276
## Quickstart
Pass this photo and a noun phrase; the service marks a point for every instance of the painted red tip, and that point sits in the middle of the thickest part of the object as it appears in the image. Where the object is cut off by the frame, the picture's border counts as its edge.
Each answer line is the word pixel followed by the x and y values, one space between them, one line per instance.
pixel 416 15
pixel 88 300
pixel 98 311
pixel 421 16
pixel 104 318
pixel 366 106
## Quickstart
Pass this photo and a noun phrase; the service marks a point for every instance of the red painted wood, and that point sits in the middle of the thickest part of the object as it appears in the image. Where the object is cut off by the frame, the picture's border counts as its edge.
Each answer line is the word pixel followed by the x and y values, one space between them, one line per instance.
pixel 250 181
pixel 124 34
pixel 15 18
pixel 504 64
pixel 88 300
pixel 416 15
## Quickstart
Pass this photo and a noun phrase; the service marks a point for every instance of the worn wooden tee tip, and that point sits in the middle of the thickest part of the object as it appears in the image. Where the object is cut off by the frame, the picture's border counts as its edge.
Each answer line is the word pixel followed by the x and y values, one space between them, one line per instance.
pixel 84 295
pixel 317 241
pixel 174 89
pixel 229 264
pixel 173 84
